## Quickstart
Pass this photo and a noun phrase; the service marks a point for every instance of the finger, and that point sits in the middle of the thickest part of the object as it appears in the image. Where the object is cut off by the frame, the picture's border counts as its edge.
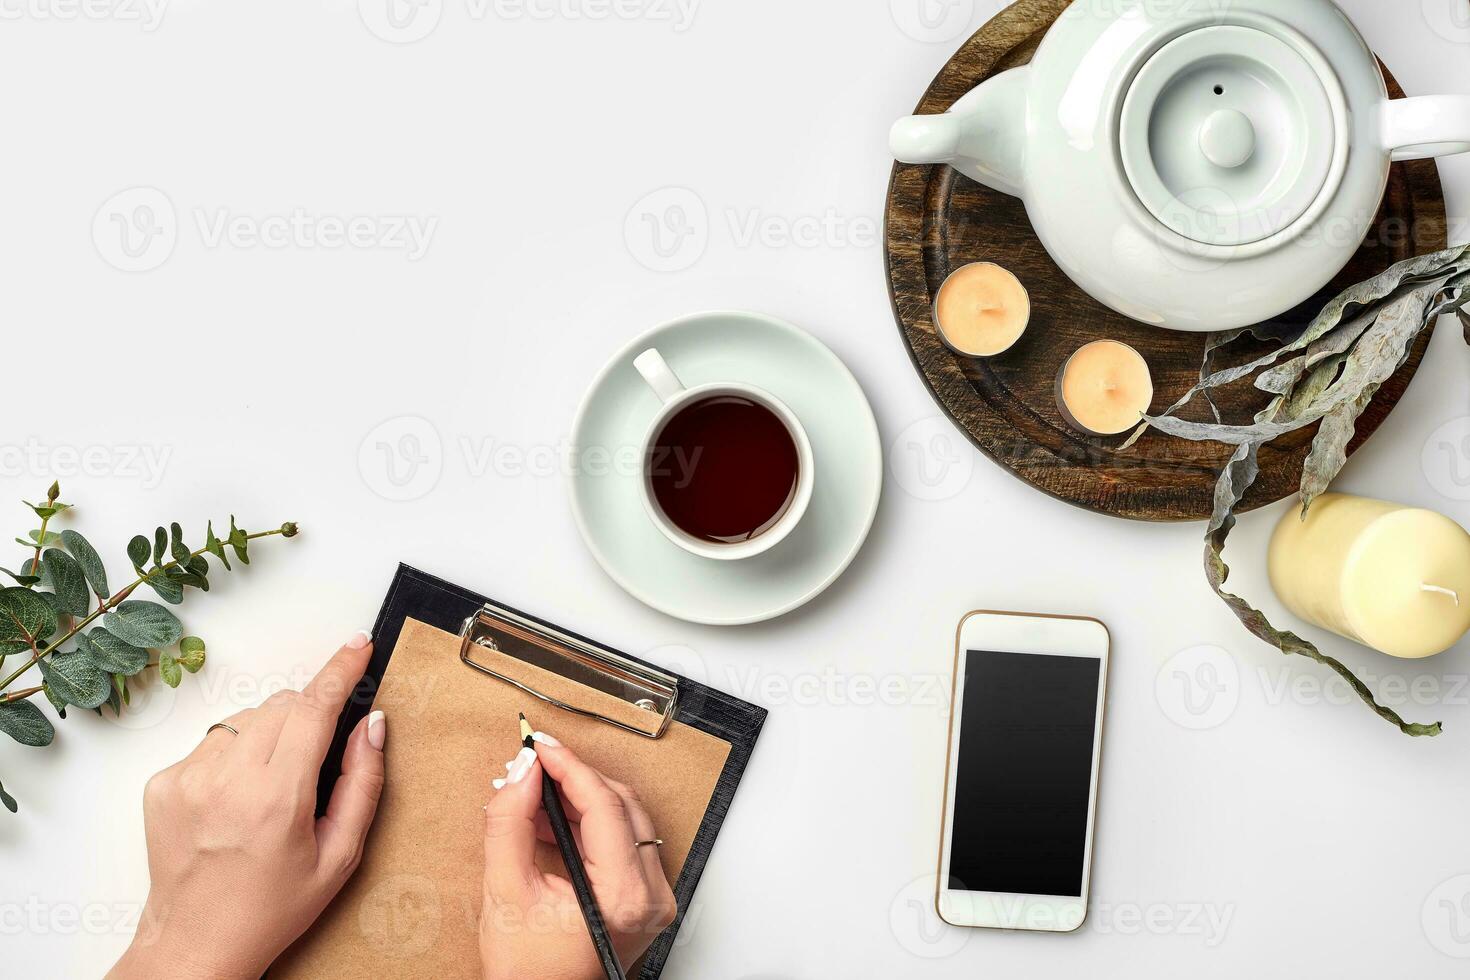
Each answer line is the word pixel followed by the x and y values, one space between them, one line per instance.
pixel 216 741
pixel 607 830
pixel 510 834
pixel 307 732
pixel 653 868
pixel 341 831
pixel 258 739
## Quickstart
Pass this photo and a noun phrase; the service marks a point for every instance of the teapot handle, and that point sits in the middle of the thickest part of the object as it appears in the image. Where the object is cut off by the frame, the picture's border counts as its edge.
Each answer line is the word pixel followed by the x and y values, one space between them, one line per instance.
pixel 1427 126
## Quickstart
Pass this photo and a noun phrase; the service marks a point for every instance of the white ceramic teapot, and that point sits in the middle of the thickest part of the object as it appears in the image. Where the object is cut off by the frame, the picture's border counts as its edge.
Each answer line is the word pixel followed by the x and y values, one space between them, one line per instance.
pixel 1195 164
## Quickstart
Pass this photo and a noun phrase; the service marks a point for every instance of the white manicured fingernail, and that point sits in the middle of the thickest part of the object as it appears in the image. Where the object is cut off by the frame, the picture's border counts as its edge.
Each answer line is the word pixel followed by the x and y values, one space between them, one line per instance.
pixel 545 739
pixel 377 730
pixel 522 765
pixel 498 783
pixel 360 639
pixel 509 764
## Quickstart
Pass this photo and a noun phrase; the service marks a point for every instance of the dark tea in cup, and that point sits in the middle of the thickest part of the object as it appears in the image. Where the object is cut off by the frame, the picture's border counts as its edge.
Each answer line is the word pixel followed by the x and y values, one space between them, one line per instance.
pixel 724 469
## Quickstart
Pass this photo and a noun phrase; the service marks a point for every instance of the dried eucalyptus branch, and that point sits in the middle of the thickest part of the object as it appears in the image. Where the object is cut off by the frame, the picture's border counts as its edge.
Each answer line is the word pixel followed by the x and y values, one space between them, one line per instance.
pixel 1341 362
pixel 53 595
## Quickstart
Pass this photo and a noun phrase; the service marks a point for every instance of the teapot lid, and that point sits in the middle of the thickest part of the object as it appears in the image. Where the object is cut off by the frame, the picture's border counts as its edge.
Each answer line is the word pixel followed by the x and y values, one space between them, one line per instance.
pixel 1231 135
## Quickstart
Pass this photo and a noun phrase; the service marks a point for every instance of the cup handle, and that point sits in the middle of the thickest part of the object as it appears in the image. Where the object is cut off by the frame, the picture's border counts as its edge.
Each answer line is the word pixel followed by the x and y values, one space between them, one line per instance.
pixel 1427 126
pixel 660 377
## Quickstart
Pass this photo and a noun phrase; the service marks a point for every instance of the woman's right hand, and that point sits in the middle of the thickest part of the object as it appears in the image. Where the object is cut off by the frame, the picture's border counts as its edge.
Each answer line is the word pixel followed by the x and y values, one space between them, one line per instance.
pixel 530 922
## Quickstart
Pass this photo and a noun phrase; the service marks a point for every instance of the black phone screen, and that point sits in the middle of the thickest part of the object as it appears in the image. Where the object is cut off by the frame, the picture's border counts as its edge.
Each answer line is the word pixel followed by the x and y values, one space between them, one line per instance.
pixel 1023 775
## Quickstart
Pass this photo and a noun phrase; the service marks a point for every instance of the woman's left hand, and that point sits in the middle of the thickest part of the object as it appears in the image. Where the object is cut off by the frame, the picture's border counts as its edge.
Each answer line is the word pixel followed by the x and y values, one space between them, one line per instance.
pixel 239 863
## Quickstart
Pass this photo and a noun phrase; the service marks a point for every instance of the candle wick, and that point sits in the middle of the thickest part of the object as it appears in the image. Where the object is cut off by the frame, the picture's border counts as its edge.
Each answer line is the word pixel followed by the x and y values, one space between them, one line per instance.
pixel 1441 590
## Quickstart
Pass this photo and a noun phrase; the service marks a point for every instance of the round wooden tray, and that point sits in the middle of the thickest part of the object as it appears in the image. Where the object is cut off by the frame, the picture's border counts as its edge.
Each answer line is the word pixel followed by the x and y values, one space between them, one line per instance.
pixel 937 220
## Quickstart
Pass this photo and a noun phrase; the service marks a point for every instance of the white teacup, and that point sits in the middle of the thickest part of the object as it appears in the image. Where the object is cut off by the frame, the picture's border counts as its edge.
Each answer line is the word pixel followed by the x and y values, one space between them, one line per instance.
pixel 675 397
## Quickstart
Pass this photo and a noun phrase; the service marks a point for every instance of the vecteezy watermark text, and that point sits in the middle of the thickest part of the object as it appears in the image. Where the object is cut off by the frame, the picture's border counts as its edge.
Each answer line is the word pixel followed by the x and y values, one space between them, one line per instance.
pixel 404 457
pixel 668 230
pixel 134 461
pixel 407 21
pixel 137 230
pixel 298 228
pixel 147 14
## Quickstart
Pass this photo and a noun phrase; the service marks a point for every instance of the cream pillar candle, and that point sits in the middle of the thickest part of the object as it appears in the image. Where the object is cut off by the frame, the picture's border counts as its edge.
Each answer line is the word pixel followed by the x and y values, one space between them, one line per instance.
pixel 1104 388
pixel 1390 577
pixel 981 310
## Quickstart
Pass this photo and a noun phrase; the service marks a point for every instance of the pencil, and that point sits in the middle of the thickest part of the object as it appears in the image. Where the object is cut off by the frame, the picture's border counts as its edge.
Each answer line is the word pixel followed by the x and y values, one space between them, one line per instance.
pixel 557 817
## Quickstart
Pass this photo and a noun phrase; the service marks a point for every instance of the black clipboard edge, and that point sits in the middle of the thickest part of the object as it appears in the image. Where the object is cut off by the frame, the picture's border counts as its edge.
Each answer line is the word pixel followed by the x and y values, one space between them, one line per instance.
pixel 705 708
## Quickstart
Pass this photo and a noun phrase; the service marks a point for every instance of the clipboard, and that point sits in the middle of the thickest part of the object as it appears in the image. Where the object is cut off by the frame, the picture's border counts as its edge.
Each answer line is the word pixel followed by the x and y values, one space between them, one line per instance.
pixel 637 705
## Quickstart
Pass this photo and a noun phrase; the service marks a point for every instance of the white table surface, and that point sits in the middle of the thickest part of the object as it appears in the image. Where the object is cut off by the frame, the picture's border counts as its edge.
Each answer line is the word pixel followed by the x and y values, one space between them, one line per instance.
pixel 1294 835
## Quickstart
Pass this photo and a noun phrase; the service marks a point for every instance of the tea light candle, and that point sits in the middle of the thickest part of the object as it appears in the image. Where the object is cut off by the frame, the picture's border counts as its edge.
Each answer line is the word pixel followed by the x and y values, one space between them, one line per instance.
pixel 981 310
pixel 1104 388
pixel 1390 577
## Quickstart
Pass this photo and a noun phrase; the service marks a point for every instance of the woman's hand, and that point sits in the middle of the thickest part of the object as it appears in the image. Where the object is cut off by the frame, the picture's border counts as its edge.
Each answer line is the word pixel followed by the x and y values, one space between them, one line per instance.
pixel 239 863
pixel 530 922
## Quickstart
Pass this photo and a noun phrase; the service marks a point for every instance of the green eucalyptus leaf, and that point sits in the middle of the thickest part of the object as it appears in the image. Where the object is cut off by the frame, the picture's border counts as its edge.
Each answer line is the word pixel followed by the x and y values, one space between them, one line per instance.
pixel 64 575
pixel 214 546
pixel 76 679
pixel 168 590
pixel 168 669
pixel 112 654
pixel 160 545
pixel 197 565
pixel 177 548
pixel 24 617
pixel 143 624
pixel 186 578
pixel 91 562
pixel 25 723
pixel 138 551
pixel 57 701
pixel 191 653
pixel 8 800
pixel 239 541
pixel 47 510
pixel 54 601
pixel 48 540
pixel 22 578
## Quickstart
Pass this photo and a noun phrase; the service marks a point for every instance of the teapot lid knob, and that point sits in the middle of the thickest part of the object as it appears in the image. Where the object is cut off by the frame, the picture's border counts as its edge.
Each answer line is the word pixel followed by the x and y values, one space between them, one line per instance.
pixel 1227 138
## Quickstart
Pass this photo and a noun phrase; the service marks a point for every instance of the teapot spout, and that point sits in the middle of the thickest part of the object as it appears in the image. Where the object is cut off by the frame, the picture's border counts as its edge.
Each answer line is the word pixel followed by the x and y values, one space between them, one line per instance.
pixel 983 135
pixel 925 139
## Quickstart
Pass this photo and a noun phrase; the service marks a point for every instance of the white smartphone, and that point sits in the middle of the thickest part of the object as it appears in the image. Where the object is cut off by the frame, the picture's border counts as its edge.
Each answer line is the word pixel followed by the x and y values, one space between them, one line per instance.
pixel 1020 791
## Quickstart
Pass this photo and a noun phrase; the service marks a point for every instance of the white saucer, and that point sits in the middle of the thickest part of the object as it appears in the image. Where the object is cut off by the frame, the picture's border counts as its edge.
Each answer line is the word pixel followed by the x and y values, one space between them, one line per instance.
pixel 796 368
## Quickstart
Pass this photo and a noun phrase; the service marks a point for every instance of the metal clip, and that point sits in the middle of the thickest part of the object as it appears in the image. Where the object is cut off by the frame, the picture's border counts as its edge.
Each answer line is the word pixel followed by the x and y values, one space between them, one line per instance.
pixel 650 693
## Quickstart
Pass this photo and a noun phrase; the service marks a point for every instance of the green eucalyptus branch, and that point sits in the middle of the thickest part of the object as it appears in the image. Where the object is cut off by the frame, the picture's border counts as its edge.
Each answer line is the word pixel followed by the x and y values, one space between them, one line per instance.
pixel 51 606
pixel 107 605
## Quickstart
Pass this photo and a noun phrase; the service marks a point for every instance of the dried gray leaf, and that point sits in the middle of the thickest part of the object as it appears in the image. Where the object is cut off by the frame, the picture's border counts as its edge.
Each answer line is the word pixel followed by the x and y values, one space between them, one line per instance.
pixel 1414 273
pixel 1281 378
pixel 1213 343
pixel 1316 382
pixel 1329 447
pixel 1379 352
